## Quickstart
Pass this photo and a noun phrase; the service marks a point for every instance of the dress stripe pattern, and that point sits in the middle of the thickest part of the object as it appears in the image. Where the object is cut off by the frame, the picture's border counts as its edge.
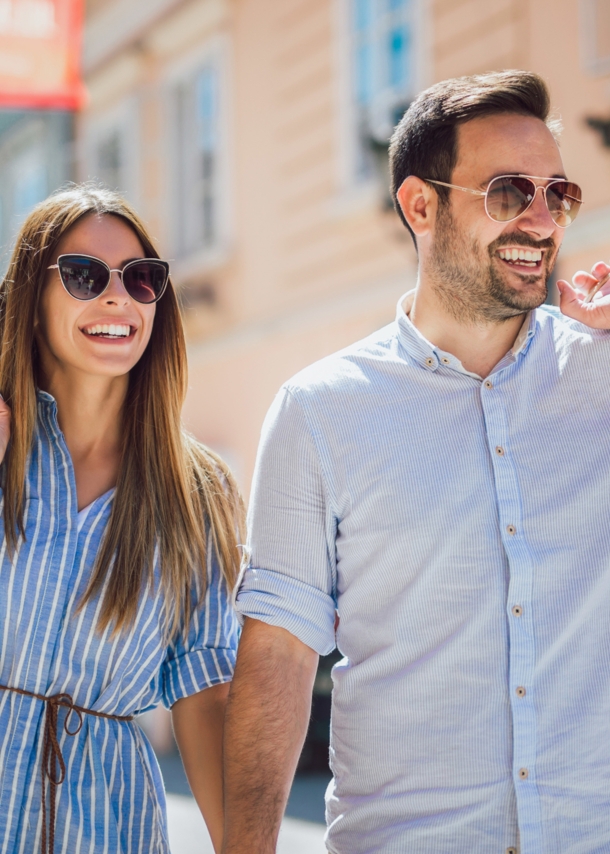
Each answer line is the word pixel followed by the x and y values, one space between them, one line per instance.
pixel 112 800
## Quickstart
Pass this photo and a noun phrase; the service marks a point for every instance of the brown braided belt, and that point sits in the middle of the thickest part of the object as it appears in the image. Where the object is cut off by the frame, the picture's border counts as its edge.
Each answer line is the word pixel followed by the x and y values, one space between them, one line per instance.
pixel 51 751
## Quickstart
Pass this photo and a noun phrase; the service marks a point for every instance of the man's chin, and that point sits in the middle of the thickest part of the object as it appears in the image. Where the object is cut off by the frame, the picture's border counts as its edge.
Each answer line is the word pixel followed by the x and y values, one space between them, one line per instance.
pixel 531 292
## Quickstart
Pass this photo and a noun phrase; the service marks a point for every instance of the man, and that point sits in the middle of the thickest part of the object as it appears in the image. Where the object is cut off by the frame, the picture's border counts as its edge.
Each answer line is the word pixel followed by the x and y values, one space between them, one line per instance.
pixel 436 498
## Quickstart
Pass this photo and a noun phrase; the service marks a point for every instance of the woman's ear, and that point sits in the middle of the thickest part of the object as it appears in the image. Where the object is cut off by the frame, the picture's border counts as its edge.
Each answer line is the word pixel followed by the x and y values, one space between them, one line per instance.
pixel 418 202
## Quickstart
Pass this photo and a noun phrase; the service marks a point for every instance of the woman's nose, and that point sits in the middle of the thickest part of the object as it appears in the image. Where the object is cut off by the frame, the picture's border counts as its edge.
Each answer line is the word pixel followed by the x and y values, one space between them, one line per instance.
pixel 115 292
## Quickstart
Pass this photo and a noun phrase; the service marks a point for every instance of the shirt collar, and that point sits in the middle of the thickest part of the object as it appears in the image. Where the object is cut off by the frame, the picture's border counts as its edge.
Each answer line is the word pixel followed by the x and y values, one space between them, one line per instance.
pixel 431 357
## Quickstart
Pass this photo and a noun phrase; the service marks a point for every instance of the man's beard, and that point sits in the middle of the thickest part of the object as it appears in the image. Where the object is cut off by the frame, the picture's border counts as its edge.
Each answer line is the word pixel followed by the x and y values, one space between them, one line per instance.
pixel 470 285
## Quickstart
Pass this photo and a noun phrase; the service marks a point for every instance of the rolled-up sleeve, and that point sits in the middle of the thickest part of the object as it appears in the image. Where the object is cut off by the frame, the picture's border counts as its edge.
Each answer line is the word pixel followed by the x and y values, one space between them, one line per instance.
pixel 206 655
pixel 288 577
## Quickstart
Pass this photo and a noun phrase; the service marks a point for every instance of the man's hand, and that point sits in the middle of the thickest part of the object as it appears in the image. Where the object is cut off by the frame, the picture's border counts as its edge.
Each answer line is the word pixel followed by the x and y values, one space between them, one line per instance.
pixel 596 313
pixel 267 718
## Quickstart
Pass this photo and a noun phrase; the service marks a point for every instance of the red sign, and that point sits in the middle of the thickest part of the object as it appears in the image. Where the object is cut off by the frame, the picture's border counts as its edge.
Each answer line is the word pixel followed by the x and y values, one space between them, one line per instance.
pixel 40 46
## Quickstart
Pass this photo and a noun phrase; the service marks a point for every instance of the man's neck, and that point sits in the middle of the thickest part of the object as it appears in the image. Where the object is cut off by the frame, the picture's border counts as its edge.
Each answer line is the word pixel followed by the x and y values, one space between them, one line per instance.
pixel 478 346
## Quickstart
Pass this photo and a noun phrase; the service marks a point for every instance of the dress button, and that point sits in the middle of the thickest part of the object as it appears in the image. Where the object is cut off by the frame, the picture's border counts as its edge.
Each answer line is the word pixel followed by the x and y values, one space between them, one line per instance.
pixel 430 361
pixel 523 773
pixel 499 450
pixel 520 691
pixel 510 529
pixel 517 610
pixel 488 384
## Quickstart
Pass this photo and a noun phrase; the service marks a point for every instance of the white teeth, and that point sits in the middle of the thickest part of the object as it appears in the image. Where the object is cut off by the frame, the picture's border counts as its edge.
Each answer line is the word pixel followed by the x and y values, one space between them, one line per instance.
pixel 115 329
pixel 532 256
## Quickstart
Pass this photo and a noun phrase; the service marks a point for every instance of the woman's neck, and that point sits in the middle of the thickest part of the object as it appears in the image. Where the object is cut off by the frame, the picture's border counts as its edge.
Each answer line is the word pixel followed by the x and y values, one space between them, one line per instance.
pixel 89 411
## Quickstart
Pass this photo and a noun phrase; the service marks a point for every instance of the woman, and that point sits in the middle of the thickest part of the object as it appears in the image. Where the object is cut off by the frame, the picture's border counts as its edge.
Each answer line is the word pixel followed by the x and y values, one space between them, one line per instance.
pixel 119 540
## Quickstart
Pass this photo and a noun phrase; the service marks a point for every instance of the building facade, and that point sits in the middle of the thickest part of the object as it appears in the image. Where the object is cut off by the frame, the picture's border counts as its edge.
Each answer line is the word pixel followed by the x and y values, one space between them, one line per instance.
pixel 252 136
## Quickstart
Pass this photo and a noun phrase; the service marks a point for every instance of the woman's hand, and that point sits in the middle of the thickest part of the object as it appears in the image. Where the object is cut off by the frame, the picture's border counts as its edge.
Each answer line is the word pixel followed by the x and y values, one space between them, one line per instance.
pixel 198 726
pixel 5 427
pixel 595 313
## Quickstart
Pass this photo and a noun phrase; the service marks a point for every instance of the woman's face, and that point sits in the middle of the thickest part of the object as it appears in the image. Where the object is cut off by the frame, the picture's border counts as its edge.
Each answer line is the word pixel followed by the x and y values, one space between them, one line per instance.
pixel 64 324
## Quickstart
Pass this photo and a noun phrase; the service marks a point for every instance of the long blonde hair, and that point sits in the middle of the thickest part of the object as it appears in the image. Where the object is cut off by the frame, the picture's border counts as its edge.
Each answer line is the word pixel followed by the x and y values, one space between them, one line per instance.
pixel 170 488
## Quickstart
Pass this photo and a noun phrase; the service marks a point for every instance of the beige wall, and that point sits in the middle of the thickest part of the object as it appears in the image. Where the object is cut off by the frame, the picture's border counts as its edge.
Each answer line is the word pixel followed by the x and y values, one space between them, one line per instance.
pixel 312 261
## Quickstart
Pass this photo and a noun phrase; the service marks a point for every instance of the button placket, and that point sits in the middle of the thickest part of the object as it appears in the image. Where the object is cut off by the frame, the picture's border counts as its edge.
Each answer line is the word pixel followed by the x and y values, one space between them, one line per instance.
pixel 521 648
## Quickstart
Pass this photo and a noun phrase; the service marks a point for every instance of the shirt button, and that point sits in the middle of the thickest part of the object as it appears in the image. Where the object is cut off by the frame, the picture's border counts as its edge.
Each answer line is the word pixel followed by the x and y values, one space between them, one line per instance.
pixel 511 851
pixel 499 451
pixel 430 361
pixel 488 384
pixel 517 610
pixel 511 529
pixel 520 691
pixel 445 360
pixel 523 773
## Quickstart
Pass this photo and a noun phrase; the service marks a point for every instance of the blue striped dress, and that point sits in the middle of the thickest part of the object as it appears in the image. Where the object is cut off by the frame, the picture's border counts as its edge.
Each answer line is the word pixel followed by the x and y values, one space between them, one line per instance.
pixel 112 799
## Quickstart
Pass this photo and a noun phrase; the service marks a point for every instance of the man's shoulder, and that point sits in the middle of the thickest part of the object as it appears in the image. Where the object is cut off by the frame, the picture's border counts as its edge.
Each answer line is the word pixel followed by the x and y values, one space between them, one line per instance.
pixel 565 328
pixel 347 369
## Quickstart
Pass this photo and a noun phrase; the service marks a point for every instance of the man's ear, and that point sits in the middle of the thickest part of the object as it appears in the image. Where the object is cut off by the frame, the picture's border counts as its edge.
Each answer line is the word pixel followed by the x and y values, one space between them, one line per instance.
pixel 418 202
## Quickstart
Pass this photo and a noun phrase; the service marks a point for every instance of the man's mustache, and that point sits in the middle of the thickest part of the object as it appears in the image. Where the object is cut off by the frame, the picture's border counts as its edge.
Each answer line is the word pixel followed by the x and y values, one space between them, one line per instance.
pixel 519 239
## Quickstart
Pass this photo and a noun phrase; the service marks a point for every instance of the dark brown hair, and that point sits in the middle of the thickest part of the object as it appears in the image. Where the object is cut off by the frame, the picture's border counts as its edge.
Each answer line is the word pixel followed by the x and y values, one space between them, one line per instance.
pixel 171 490
pixel 425 141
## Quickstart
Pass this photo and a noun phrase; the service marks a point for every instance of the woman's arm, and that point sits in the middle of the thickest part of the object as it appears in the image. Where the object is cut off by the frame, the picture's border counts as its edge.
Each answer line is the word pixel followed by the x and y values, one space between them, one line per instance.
pixel 198 724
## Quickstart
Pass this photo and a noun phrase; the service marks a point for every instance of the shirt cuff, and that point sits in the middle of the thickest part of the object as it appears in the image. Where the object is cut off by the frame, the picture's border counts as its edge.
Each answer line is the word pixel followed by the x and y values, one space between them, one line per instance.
pixel 192 672
pixel 274 598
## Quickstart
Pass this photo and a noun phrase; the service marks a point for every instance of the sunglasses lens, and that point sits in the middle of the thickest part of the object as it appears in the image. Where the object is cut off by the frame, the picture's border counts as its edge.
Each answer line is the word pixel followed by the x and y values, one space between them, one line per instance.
pixel 145 280
pixel 508 197
pixel 83 278
pixel 564 200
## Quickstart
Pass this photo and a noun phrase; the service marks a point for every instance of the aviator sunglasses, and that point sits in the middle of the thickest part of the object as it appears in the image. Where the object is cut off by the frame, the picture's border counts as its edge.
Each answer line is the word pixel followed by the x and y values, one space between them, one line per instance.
pixel 507 197
pixel 85 277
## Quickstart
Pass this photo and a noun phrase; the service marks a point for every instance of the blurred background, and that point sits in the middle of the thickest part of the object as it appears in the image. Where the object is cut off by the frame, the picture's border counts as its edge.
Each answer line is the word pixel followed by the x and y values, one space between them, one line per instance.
pixel 252 136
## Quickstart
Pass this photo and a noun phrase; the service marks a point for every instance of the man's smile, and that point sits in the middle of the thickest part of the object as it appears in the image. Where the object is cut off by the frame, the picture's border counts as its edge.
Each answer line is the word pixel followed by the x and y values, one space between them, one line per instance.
pixel 521 259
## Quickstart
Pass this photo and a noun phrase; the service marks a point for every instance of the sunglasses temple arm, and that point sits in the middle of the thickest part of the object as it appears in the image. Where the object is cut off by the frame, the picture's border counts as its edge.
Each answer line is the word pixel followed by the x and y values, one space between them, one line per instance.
pixel 455 187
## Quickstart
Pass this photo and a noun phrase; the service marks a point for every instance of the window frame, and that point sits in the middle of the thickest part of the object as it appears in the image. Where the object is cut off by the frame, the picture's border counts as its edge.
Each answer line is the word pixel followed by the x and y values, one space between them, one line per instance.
pixel 215 54
pixel 123 120
pixel 350 150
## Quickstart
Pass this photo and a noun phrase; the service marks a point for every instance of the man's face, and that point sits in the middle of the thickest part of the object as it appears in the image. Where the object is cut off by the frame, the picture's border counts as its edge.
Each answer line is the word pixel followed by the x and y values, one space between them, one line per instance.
pixel 465 262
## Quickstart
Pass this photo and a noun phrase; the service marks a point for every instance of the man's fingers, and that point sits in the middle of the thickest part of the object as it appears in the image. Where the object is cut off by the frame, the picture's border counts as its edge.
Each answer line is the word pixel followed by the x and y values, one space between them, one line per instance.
pixel 595 314
pixel 600 269
pixel 584 281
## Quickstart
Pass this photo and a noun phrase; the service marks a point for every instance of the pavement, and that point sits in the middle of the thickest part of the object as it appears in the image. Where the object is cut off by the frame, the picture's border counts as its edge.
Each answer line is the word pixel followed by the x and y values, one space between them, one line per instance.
pixel 188 834
pixel 302 830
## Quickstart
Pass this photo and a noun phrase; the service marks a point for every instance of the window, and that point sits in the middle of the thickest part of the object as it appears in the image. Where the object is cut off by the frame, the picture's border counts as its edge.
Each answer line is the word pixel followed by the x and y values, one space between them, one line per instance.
pixel 109 147
pixel 199 168
pixel 111 160
pixel 596 36
pixel 383 60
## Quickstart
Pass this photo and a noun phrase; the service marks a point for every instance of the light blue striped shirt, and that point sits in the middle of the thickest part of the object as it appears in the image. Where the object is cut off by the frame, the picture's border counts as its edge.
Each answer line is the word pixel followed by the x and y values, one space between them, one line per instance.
pixel 112 800
pixel 460 529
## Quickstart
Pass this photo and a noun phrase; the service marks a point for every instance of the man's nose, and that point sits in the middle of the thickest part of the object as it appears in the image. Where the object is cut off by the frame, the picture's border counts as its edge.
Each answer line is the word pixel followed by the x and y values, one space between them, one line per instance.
pixel 537 219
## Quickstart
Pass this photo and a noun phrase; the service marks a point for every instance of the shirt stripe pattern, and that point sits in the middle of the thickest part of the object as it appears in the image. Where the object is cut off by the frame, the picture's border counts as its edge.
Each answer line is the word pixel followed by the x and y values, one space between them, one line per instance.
pixel 112 801
pixel 459 527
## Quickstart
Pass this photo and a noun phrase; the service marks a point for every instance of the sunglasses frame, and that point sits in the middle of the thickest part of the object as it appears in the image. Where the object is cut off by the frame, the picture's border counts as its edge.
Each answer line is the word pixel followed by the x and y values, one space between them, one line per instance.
pixel 112 270
pixel 532 178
